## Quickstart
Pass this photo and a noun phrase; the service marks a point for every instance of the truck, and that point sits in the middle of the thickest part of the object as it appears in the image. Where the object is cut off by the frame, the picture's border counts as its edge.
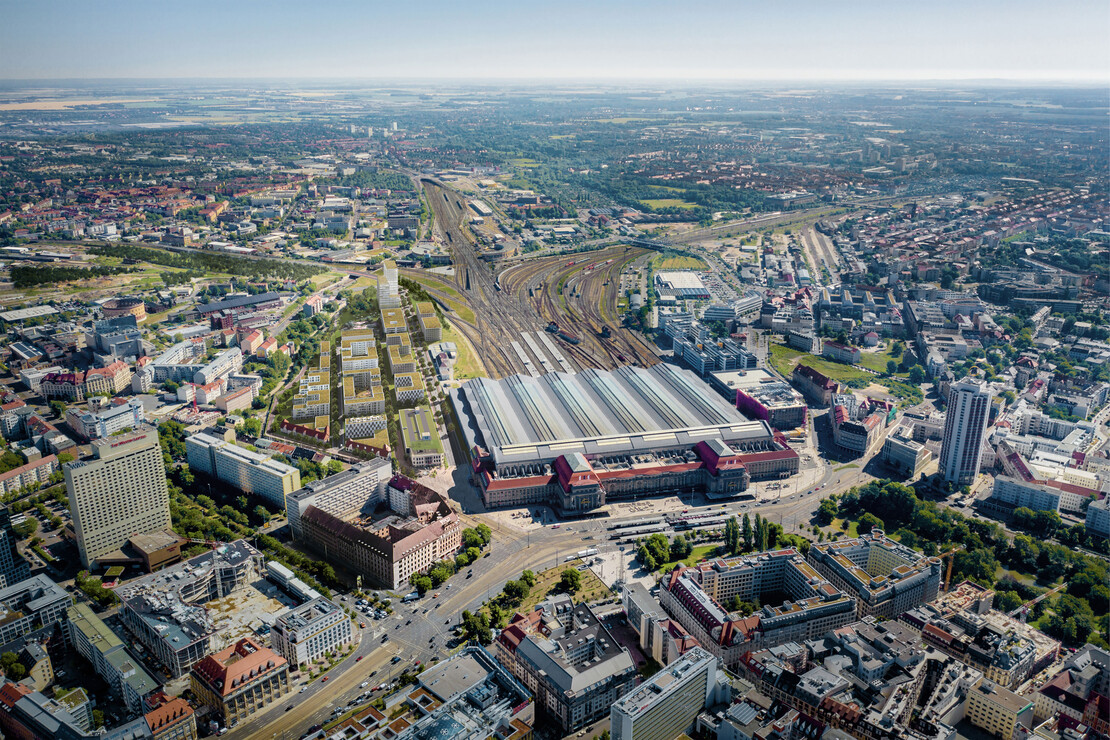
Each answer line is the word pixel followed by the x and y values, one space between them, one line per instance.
pixel 414 596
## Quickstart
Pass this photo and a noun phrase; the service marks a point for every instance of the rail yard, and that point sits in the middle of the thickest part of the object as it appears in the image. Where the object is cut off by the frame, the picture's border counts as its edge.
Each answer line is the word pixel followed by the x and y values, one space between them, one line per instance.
pixel 538 315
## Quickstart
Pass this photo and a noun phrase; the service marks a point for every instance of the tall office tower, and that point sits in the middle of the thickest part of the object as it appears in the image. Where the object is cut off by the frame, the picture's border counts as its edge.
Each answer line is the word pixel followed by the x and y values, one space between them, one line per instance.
pixel 13 568
pixel 119 494
pixel 961 450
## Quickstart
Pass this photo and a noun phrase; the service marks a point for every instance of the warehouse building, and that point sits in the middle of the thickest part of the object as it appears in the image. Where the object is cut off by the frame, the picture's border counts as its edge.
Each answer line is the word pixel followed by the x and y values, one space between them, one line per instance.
pixel 577 441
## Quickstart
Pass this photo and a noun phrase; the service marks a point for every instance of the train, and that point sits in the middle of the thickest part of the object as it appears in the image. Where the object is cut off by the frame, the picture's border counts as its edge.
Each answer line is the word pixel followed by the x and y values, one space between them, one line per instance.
pixel 566 336
pixel 589 552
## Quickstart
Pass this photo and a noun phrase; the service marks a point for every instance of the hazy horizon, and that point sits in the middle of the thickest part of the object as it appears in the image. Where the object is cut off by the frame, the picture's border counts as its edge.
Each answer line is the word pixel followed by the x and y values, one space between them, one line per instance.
pixel 705 41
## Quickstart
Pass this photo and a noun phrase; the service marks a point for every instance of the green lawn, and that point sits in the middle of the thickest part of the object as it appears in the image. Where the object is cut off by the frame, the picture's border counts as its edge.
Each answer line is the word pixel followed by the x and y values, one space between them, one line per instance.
pixel 784 358
pixel 467 364
pixel 668 203
pixel 877 361
pixel 678 262
pixel 837 527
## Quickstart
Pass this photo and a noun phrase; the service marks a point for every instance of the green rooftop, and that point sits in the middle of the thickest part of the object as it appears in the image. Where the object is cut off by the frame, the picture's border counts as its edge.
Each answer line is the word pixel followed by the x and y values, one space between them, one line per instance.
pixel 419 429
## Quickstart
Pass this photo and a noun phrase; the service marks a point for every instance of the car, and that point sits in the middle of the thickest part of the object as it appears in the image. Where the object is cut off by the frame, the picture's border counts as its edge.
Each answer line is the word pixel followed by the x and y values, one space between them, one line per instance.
pixel 556 526
pixel 373 673
pixel 407 623
pixel 469 573
pixel 288 707
pixel 362 625
pixel 303 689
pixel 435 595
pixel 325 679
pixel 448 586
pixel 397 659
pixel 359 658
pixel 364 684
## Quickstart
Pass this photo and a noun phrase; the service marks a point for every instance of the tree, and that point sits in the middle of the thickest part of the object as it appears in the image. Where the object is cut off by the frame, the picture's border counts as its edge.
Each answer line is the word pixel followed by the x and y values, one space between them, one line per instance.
pixel 261 514
pixel 476 627
pixel 917 375
pixel 516 591
pixel 680 548
pixel 570 581
pixel 732 536
pixel 421 583
pixel 891 367
pixel 17 672
pixel 1007 601
pixel 528 577
pixel 867 522
pixel 58 409
pixel 252 427
pixel 746 532
pixel 826 512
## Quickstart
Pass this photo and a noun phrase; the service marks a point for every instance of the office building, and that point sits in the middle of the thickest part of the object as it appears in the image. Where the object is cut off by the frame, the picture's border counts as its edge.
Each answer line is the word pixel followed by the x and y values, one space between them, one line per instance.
pixel 466 697
pixel 166 610
pixel 307 632
pixel 118 415
pixel 250 472
pixel 563 653
pixel 693 598
pixel 815 386
pixel 385 547
pixel 999 711
pixel 389 293
pixel 667 704
pixel 118 494
pixel 885 577
pixel 903 453
pixel 762 397
pixel 1098 517
pixel 106 653
pixel 361 487
pixel 240 680
pixel 420 434
pixel 31 610
pixel 579 441
pixel 13 568
pixel 965 426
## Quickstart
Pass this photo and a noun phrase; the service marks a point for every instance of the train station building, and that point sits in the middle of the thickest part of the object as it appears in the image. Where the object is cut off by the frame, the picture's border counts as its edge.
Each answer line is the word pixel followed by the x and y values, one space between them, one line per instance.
pixel 579 441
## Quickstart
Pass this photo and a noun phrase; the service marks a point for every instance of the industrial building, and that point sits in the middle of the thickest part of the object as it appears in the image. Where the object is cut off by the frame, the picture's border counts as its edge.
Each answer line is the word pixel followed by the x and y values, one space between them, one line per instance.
pixel 680 285
pixel 577 441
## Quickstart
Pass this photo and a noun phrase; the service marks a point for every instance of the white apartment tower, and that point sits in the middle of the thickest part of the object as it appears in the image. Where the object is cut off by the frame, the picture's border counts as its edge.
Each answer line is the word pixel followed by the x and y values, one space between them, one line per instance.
pixel 119 494
pixel 961 449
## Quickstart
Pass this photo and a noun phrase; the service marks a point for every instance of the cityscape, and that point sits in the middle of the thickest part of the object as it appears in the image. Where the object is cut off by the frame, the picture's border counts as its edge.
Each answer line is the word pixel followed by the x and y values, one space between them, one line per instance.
pixel 482 395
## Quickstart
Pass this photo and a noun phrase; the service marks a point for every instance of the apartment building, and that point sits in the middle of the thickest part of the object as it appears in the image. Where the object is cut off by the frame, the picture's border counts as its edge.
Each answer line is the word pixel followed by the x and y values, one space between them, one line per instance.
pixel 118 494
pixel 33 474
pixel 225 363
pixel 250 472
pixel 31 608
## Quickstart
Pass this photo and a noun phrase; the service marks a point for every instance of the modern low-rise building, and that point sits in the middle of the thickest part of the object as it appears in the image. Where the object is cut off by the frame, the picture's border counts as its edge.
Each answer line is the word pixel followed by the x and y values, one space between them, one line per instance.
pixel 308 632
pixel 32 608
pixel 421 437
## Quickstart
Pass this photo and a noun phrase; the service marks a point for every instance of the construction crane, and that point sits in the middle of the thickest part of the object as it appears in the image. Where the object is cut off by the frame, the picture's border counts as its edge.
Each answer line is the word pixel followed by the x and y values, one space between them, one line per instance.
pixel 950 555
pixel 1024 609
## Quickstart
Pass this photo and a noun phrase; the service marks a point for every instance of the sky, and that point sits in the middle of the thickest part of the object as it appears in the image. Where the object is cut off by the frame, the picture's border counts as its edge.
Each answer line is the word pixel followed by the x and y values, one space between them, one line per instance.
pixel 737 40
